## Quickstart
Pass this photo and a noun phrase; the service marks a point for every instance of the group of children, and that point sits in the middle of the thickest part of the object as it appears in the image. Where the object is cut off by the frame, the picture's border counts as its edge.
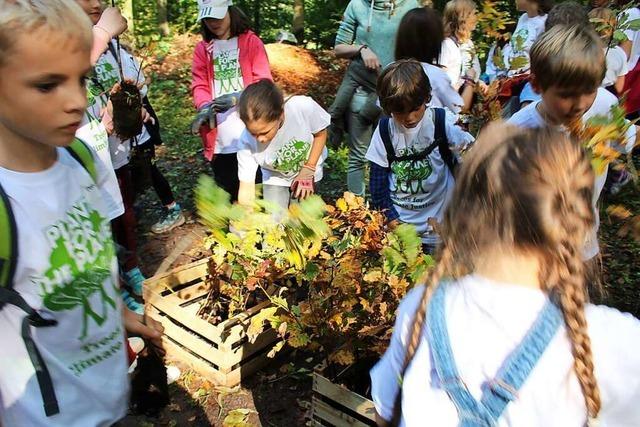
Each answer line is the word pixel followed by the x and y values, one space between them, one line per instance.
pixel 513 226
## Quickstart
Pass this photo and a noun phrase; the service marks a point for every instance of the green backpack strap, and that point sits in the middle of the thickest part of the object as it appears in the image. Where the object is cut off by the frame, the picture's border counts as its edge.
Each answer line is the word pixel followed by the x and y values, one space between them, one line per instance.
pixel 8 242
pixel 80 151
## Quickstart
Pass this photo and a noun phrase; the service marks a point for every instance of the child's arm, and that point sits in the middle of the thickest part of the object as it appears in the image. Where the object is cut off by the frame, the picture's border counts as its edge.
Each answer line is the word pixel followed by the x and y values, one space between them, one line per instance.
pixel 247 168
pixel 110 25
pixel 619 85
pixel 458 139
pixel 380 191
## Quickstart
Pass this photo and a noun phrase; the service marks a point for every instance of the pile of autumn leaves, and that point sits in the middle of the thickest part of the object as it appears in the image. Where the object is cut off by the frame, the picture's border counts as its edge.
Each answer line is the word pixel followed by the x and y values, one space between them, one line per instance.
pixel 334 274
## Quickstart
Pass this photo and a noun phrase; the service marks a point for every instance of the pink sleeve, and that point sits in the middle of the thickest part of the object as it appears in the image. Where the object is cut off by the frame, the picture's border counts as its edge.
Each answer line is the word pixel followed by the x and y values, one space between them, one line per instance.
pixel 260 61
pixel 101 41
pixel 200 85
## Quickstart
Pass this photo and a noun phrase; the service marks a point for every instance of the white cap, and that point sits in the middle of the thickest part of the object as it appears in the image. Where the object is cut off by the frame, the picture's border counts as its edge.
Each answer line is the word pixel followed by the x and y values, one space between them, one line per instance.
pixel 216 9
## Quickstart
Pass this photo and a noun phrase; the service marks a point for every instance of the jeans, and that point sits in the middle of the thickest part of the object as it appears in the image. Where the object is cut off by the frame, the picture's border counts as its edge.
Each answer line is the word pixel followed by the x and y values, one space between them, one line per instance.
pixel 363 116
pixel 279 196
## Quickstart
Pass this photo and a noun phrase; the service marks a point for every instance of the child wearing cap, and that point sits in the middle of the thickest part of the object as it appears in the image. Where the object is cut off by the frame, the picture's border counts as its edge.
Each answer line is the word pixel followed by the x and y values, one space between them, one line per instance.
pixel 229 58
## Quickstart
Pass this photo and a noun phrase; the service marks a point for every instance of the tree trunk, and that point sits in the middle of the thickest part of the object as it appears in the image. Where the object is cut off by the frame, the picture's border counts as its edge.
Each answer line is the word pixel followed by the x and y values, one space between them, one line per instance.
pixel 298 20
pixel 127 12
pixel 256 15
pixel 163 20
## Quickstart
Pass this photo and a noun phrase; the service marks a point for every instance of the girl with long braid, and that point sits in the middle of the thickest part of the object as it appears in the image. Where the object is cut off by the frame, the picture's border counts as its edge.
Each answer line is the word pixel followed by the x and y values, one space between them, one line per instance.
pixel 501 334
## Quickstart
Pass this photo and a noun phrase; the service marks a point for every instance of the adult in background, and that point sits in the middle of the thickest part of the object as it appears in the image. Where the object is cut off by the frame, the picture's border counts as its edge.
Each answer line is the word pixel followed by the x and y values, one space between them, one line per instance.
pixel 367 36
pixel 229 58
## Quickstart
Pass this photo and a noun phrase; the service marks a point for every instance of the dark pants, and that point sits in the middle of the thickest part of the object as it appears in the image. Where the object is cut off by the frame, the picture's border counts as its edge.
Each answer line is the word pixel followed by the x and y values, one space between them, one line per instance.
pixel 145 171
pixel 225 173
pixel 124 226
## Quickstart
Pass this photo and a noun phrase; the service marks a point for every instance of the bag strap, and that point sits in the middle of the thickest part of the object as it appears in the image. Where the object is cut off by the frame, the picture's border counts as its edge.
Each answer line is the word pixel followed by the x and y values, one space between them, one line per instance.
pixel 80 151
pixel 385 135
pixel 8 295
pixel 440 135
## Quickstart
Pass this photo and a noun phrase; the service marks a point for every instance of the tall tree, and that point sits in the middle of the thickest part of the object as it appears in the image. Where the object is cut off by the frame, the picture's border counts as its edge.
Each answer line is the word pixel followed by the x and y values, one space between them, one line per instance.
pixel 298 20
pixel 163 18
pixel 127 12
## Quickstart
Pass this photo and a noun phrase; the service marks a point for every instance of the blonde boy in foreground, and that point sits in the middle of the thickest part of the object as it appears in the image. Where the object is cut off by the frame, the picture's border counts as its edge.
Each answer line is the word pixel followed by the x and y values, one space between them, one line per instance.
pixel 62 325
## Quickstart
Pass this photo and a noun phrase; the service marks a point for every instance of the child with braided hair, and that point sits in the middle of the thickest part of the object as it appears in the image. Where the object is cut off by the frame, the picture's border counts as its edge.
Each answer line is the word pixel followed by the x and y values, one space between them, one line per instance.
pixel 501 334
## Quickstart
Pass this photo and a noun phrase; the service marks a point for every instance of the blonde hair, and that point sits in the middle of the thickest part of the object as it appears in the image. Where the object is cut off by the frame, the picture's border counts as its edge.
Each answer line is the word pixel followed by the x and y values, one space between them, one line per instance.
pixel 529 190
pixel 605 23
pixel 25 16
pixel 568 57
pixel 456 16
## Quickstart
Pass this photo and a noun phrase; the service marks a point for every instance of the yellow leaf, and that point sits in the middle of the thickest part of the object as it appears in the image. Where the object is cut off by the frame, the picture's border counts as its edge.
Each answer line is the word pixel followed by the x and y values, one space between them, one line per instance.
pixel 373 276
pixel 619 212
pixel 342 357
pixel 342 205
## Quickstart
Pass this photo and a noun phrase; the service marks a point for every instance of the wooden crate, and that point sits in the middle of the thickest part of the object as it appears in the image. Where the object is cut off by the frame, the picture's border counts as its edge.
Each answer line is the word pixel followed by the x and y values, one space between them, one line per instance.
pixel 221 353
pixel 335 405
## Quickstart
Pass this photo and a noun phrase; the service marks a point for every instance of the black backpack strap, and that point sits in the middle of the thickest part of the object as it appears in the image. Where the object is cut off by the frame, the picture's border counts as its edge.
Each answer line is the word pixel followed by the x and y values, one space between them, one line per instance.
pixel 8 295
pixel 385 134
pixel 442 141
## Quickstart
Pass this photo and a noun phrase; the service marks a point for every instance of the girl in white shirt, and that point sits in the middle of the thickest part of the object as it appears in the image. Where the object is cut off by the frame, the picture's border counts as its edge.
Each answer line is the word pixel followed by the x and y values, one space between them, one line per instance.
pixel 425 24
pixel 458 53
pixel 285 139
pixel 530 26
pixel 508 338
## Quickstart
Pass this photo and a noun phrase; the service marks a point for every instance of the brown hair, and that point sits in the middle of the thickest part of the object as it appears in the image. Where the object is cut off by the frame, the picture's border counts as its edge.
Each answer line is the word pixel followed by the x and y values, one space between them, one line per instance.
pixel 529 190
pixel 568 57
pixel 566 13
pixel 26 16
pixel 403 86
pixel 604 21
pixel 262 100
pixel 457 14
pixel 424 24
pixel 240 24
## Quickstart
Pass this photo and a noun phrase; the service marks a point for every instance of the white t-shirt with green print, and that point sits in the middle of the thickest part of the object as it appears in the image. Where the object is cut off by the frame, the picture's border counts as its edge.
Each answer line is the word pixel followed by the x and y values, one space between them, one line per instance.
pixel 67 270
pixel 282 158
pixel 227 76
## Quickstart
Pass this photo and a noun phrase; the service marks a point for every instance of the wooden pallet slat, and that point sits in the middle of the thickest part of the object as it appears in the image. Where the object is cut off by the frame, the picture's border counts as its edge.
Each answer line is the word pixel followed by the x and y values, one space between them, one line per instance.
pixel 335 405
pixel 221 353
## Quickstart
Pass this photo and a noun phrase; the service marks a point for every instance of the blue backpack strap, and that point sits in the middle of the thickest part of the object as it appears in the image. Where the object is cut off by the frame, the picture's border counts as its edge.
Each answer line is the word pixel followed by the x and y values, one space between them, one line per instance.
pixel 8 295
pixel 515 370
pixel 385 135
pixel 440 135
pixel 80 151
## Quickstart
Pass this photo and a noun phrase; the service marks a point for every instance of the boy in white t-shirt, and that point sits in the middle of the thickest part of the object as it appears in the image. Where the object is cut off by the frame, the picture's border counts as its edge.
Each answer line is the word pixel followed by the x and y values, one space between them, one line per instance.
pixel 286 139
pixel 61 323
pixel 617 67
pixel 567 68
pixel 412 152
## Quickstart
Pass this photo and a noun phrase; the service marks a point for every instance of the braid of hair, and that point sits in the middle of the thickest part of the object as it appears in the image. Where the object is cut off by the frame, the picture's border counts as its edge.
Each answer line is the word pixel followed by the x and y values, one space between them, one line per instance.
pixel 568 282
pixel 431 284
pixel 572 302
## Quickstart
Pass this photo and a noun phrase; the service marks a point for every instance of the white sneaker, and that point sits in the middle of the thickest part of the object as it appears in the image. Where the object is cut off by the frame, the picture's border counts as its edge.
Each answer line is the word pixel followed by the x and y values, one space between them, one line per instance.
pixel 173 373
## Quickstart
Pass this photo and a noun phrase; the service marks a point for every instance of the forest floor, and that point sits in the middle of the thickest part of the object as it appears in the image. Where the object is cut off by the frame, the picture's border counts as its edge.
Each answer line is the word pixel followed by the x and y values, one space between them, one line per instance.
pixel 280 395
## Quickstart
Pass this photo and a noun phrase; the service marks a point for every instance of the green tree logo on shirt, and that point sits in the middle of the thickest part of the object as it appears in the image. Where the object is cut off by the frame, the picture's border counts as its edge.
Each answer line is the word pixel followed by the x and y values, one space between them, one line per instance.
pixel 291 156
pixel 410 174
pixel 80 265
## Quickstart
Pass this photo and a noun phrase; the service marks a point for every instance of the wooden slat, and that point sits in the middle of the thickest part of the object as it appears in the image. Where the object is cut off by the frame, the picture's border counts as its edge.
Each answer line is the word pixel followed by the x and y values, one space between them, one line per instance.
pixel 195 323
pixel 188 294
pixel 178 276
pixel 344 396
pixel 335 417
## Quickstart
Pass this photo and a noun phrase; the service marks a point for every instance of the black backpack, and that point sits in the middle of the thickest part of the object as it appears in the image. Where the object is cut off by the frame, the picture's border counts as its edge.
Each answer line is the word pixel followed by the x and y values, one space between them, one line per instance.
pixel 440 141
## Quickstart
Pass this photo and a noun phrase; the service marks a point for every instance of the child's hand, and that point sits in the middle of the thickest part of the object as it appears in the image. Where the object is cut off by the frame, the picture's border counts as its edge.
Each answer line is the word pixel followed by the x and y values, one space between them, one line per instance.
pixel 146 117
pixel 144 326
pixel 106 116
pixel 112 22
pixel 302 185
pixel 206 116
pixel 224 103
pixel 391 225
pixel 370 59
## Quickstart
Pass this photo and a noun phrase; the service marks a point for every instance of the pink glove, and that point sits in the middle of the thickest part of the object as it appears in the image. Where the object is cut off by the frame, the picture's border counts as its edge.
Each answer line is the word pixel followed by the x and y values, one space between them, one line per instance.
pixel 303 184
